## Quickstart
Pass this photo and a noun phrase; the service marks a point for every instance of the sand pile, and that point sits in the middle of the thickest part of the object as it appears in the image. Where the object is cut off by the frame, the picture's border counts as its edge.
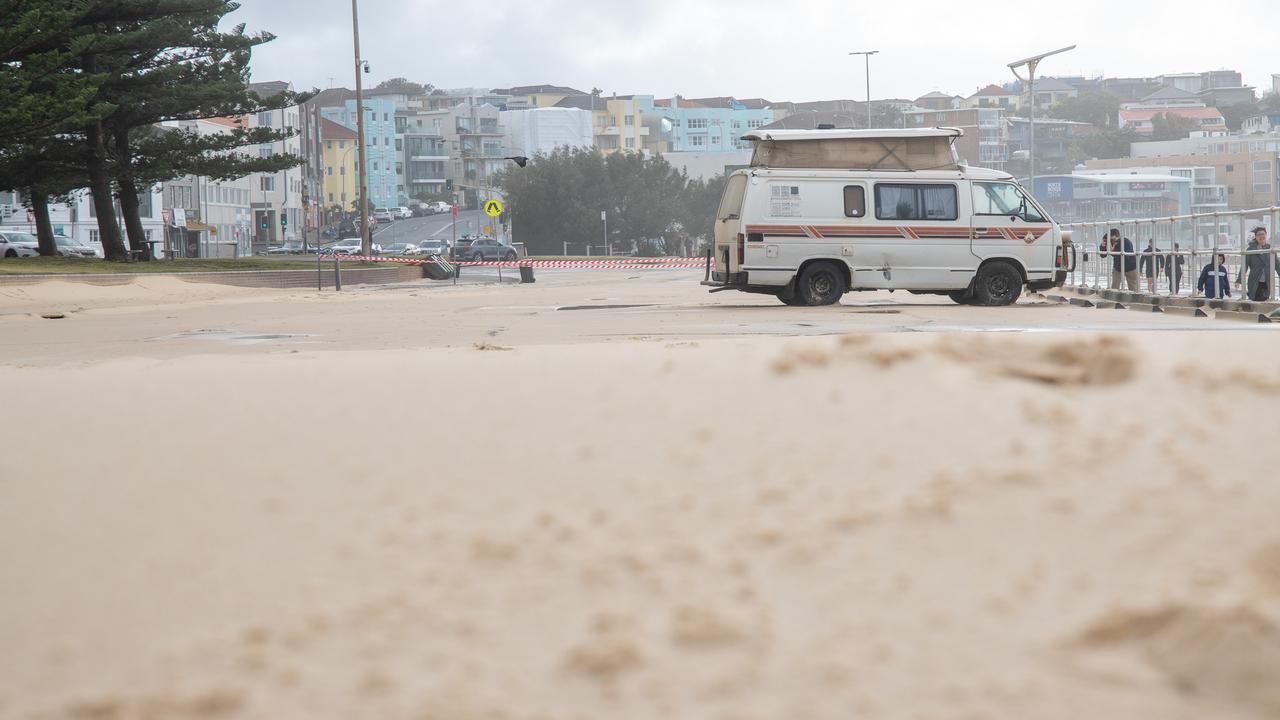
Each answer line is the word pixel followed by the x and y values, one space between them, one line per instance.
pixel 738 528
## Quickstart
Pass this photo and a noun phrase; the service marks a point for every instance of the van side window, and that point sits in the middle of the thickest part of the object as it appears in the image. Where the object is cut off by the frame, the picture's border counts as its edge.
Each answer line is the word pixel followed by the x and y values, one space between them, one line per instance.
pixel 916 202
pixel 855 201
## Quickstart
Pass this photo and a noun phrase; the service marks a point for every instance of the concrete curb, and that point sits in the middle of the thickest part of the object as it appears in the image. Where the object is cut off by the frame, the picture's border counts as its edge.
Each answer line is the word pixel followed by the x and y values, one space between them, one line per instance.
pixel 1080 302
pixel 1143 307
pixel 1108 305
pixel 280 279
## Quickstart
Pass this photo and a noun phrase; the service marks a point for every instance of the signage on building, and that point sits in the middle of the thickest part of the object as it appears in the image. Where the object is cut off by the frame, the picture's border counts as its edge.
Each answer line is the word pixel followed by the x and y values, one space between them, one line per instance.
pixel 1147 186
pixel 179 218
pixel 1054 188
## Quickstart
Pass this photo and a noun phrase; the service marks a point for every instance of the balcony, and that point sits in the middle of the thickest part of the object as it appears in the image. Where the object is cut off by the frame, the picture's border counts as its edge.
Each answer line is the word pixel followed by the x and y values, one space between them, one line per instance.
pixel 482 129
pixel 429 158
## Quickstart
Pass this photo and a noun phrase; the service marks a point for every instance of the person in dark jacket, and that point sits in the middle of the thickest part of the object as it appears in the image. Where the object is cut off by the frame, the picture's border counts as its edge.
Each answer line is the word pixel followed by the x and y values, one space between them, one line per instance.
pixel 1152 264
pixel 1214 282
pixel 1259 266
pixel 1175 263
pixel 1125 257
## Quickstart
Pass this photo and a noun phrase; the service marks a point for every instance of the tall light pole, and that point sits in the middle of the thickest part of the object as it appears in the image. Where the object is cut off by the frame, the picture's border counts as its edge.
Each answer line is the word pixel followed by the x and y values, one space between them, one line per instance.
pixel 867 54
pixel 1031 63
pixel 366 239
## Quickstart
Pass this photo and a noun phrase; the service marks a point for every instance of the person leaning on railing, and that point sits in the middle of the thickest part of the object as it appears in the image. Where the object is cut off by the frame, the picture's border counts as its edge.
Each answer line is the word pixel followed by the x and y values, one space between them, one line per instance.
pixel 1259 266
pixel 1215 283
pixel 1124 257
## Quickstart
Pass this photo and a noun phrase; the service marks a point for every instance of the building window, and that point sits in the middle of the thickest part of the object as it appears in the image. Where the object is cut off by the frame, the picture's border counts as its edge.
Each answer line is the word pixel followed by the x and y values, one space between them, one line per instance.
pixel 268 183
pixel 631 143
pixel 328 144
pixel 697 123
pixel 855 201
pixel 329 171
pixel 342 170
pixel 915 202
pixel 330 197
pixel 265 151
pixel 697 140
pixel 631 120
pixel 264 119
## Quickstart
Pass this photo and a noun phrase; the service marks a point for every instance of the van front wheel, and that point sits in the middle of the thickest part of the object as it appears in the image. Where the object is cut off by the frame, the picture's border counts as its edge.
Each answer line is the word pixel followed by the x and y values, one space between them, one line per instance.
pixel 961 297
pixel 820 284
pixel 998 283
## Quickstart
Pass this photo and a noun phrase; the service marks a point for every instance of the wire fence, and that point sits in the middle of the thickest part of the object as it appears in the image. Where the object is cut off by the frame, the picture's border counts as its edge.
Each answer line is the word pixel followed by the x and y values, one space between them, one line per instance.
pixel 1170 255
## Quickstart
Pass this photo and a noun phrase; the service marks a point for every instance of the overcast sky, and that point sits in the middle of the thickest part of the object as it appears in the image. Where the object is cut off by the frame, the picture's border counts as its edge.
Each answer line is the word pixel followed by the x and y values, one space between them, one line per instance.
pixel 752 48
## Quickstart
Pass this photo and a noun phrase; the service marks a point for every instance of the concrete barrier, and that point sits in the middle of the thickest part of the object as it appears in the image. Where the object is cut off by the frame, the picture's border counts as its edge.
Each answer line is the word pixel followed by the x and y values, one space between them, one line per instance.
pixel 1251 317
pixel 1143 307
pixel 1185 311
pixel 1080 302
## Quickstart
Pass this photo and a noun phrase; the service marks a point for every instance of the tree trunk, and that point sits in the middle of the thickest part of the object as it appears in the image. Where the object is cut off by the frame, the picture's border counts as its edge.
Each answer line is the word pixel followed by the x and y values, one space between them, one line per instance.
pixel 100 188
pixel 44 228
pixel 128 191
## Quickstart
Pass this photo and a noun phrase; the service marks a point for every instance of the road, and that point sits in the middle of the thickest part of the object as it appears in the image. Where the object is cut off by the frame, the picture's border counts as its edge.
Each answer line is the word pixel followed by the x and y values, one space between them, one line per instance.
pixel 415 230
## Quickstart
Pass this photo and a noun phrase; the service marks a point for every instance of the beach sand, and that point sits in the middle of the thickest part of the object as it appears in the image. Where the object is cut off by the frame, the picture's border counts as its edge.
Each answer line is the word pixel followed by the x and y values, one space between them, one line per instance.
pixel 463 503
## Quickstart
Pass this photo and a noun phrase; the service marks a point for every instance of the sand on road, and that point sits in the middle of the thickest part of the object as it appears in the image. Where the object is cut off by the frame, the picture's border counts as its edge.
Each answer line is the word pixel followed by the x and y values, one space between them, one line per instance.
pixel 466 503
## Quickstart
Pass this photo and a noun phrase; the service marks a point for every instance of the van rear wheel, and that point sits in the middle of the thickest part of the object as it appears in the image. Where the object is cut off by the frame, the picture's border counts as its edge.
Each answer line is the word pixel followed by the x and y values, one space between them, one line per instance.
pixel 998 283
pixel 821 283
pixel 961 297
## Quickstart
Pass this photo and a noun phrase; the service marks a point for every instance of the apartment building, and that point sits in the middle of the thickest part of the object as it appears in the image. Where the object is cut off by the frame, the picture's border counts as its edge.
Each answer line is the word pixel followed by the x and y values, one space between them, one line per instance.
pixel 703 125
pixel 341 158
pixel 291 193
pixel 382 178
pixel 985 142
pixel 617 121
pixel 1248 166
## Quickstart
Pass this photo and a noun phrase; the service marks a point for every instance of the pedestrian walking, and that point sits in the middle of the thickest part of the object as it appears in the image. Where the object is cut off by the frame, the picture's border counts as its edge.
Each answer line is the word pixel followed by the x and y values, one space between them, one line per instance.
pixel 1214 282
pixel 1152 264
pixel 1124 264
pixel 1175 263
pixel 1259 266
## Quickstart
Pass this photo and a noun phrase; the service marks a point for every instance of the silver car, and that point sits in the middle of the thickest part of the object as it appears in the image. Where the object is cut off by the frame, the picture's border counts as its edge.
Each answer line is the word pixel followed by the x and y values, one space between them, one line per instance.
pixel 18 244
pixel 68 247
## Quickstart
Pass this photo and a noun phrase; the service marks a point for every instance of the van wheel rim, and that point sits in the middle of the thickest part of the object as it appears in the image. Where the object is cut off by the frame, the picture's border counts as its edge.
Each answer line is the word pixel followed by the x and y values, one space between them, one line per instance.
pixel 820 286
pixel 998 286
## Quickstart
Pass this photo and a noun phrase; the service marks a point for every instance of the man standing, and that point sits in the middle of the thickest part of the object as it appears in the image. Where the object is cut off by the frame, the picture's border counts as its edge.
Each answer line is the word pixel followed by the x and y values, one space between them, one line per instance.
pixel 1125 262
pixel 1259 266
pixel 1152 264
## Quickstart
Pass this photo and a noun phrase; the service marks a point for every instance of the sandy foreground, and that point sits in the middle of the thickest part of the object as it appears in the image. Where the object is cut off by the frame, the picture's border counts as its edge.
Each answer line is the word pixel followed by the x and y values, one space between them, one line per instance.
pixel 464 503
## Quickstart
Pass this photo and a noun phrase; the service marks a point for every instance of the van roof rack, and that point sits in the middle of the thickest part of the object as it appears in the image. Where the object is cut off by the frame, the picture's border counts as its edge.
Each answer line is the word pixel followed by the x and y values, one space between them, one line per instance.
pixel 874 134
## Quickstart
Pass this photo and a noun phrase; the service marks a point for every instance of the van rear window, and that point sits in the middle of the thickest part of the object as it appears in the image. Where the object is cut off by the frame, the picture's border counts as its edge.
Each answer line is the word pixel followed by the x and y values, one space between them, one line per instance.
pixel 916 202
pixel 855 201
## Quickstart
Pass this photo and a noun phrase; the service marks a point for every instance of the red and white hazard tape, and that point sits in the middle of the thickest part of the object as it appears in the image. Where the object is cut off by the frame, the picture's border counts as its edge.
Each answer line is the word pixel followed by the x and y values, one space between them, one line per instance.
pixel 620 264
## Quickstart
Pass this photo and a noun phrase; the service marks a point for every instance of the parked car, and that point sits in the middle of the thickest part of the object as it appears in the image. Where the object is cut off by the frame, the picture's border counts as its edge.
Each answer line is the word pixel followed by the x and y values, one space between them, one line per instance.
pixel 397 249
pixel 483 248
pixel 401 213
pixel 430 247
pixel 422 210
pixel 352 247
pixel 18 244
pixel 68 247
pixel 440 207
pixel 382 215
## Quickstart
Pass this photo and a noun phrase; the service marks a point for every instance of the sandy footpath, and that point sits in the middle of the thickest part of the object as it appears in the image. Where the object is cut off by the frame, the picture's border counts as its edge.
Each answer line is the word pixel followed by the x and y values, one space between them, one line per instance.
pixel 634 524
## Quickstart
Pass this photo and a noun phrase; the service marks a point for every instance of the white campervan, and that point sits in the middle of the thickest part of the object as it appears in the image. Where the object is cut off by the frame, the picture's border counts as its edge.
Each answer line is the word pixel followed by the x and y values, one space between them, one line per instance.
pixel 823 212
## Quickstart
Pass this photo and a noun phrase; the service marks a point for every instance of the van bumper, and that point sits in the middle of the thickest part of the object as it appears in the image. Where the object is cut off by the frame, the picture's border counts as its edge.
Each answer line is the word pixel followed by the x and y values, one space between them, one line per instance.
pixel 1059 279
pixel 727 280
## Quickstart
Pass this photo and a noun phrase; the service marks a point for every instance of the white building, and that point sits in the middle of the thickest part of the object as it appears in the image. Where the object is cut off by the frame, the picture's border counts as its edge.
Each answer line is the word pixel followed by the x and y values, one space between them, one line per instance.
pixel 543 130
pixel 78 219
pixel 209 218
pixel 274 195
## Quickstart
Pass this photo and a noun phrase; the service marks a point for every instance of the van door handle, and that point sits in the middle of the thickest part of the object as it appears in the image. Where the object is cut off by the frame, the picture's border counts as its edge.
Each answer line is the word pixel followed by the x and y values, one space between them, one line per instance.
pixel 980 230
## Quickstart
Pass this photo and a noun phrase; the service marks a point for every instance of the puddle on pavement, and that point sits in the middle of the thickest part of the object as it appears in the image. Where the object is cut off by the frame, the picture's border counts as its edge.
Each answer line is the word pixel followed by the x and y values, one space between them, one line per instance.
pixel 231 336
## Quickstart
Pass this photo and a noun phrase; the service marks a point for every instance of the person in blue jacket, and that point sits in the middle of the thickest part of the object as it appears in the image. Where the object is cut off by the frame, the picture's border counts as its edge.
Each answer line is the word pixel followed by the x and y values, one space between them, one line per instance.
pixel 1214 282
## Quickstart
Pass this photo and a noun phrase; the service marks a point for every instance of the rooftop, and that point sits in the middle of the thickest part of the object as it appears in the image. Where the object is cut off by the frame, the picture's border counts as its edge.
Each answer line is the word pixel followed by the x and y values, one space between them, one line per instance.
pixel 993 91
pixel 537 90
pixel 330 130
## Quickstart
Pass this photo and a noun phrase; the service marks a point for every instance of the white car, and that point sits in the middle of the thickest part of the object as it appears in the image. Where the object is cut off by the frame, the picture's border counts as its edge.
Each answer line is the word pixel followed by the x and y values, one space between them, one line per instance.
pixel 401 213
pixel 430 247
pixel 351 246
pixel 440 207
pixel 383 215
pixel 18 244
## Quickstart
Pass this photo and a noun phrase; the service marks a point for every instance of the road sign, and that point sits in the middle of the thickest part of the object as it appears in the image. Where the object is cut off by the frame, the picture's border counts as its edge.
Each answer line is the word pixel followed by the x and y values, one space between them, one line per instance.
pixel 493 208
pixel 454 209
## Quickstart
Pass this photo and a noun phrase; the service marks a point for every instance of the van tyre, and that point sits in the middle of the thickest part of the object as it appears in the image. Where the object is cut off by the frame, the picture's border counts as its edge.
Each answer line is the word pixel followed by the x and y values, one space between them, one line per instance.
pixel 821 283
pixel 961 297
pixel 998 283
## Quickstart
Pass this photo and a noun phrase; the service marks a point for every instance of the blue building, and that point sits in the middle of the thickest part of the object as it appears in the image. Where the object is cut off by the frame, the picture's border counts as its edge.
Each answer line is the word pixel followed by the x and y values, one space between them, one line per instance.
pixel 380 144
pixel 707 124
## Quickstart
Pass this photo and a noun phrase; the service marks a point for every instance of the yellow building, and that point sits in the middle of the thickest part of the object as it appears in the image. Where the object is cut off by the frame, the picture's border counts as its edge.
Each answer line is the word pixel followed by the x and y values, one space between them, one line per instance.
pixel 341 158
pixel 536 96
pixel 616 122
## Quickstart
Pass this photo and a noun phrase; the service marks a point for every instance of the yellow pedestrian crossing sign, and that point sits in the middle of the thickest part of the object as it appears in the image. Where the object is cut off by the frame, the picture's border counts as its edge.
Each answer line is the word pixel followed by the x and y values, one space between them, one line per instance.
pixel 493 208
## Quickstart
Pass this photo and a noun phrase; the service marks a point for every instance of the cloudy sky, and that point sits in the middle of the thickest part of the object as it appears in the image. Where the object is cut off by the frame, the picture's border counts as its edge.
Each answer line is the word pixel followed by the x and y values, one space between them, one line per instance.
pixel 752 48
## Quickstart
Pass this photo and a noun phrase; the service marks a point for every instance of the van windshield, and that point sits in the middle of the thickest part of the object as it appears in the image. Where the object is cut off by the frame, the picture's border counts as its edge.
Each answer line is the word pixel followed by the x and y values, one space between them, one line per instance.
pixel 1003 199
pixel 731 201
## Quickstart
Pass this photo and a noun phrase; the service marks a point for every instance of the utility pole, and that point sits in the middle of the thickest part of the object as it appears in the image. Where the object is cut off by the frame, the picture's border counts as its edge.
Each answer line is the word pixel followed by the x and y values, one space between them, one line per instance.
pixel 867 54
pixel 366 238
pixel 1031 64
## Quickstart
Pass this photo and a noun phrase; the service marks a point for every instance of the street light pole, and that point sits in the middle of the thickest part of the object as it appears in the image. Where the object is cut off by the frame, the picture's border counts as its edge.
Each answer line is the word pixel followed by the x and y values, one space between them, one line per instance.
pixel 1031 64
pixel 867 54
pixel 366 239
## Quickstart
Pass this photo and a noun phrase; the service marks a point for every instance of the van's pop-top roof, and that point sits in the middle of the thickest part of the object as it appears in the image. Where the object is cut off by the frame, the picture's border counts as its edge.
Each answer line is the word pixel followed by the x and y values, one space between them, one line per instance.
pixel 915 149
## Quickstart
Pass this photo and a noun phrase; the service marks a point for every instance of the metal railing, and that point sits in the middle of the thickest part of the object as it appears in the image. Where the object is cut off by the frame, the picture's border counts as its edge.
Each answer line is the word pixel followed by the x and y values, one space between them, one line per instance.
pixel 1169 253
